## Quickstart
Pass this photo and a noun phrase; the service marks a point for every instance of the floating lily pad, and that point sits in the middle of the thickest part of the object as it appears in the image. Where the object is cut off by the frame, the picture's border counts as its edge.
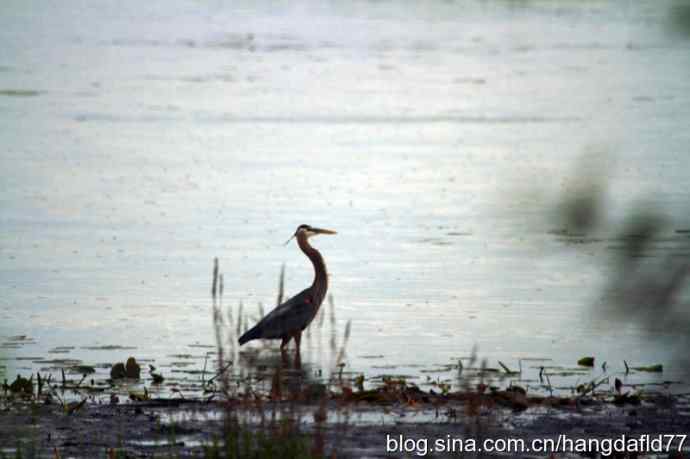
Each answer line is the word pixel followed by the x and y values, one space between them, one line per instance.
pixel 586 362
pixel 650 368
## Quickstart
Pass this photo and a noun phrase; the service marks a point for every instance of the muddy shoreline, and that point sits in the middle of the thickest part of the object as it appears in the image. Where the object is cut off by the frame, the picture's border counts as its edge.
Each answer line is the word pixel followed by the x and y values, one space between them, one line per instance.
pixel 159 428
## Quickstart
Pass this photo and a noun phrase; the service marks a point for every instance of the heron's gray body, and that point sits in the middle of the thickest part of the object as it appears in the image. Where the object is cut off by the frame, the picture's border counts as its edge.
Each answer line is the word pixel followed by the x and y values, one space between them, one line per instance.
pixel 290 318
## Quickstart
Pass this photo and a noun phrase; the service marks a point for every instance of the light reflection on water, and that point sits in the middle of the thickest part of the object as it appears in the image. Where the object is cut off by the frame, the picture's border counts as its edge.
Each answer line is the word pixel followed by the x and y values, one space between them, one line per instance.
pixel 436 140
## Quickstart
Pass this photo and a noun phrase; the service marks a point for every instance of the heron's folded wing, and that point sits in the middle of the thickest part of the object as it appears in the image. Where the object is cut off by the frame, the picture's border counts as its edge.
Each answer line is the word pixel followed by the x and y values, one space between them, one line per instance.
pixel 288 317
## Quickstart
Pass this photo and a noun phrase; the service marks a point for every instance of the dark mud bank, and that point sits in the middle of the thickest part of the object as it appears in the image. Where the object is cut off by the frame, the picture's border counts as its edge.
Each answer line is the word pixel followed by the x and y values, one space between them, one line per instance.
pixel 184 428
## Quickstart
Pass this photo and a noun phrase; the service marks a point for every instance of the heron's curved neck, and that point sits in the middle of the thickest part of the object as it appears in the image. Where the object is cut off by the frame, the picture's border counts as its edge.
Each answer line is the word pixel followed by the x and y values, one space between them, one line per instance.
pixel 320 275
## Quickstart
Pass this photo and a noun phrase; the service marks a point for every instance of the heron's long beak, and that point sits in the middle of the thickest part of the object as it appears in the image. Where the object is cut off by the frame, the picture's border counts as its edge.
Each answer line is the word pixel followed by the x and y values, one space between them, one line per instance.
pixel 323 231
pixel 313 230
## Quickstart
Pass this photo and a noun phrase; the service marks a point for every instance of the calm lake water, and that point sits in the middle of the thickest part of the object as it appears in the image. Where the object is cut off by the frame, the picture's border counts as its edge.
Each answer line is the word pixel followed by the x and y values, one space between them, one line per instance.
pixel 140 140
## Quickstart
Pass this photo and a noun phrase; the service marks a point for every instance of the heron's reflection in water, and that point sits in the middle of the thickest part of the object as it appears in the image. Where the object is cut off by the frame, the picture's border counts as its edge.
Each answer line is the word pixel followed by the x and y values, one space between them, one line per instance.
pixel 281 375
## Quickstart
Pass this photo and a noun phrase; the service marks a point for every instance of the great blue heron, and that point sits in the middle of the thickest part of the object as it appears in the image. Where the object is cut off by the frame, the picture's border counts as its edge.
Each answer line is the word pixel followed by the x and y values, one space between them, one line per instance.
pixel 289 319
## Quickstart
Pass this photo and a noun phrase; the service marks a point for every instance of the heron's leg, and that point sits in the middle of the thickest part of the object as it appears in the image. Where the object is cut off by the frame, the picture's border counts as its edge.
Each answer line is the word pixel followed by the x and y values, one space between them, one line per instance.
pixel 298 356
pixel 298 340
pixel 286 340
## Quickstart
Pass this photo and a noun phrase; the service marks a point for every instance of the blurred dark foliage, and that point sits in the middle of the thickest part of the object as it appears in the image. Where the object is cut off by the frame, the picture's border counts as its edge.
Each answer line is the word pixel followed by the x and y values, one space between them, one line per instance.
pixel 580 210
pixel 679 15
pixel 651 262
pixel 652 270
pixel 581 207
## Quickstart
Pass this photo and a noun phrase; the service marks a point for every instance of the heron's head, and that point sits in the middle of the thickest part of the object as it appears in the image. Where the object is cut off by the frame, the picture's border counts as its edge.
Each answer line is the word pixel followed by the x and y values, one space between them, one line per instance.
pixel 307 231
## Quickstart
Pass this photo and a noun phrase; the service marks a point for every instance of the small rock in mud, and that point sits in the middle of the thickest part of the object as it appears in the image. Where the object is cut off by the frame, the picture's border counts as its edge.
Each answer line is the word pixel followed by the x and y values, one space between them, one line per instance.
pixel 132 368
pixel 118 371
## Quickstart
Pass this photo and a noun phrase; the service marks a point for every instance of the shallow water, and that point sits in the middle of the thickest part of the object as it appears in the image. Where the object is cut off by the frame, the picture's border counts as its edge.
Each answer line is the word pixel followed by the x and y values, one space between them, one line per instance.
pixel 140 141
